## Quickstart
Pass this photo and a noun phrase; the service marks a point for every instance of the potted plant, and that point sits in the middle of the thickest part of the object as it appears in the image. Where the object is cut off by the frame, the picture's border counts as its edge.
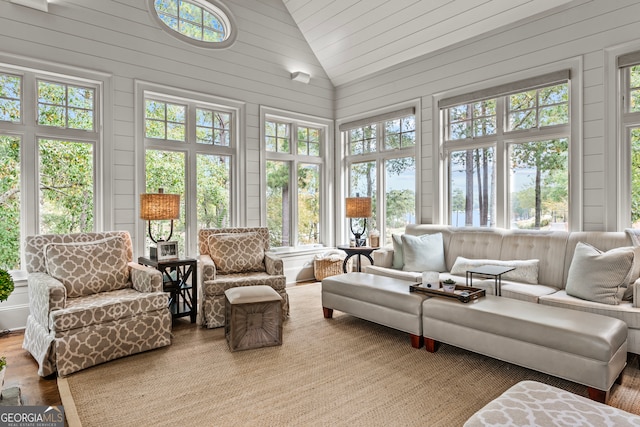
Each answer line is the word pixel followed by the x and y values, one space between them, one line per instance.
pixel 449 285
pixel 6 287
pixel 6 284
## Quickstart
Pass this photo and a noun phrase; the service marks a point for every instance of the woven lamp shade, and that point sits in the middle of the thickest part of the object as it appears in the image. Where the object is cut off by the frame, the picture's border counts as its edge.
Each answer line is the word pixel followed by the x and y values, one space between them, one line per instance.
pixel 358 207
pixel 159 206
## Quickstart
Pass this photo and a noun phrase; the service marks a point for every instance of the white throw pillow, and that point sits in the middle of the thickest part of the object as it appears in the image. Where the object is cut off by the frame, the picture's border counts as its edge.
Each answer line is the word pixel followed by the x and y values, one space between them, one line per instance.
pixel 526 270
pixel 423 253
pixel 398 257
pixel 599 276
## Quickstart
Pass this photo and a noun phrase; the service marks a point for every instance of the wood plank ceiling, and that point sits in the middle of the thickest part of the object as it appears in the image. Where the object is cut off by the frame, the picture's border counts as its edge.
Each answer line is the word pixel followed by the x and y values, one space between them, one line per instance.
pixel 354 38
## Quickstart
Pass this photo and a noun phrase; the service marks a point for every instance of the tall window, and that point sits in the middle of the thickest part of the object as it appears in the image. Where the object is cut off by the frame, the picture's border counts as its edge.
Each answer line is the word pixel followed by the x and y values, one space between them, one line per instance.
pixel 509 153
pixel 55 131
pixel 189 150
pixel 630 132
pixel 294 172
pixel 381 164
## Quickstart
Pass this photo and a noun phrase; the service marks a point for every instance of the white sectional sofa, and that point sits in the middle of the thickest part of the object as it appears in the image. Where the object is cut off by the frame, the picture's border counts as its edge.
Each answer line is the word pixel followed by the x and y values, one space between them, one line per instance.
pixel 554 251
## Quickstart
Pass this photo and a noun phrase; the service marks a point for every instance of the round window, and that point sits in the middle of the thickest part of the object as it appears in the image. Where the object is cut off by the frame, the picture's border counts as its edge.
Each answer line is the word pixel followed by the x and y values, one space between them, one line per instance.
pixel 198 22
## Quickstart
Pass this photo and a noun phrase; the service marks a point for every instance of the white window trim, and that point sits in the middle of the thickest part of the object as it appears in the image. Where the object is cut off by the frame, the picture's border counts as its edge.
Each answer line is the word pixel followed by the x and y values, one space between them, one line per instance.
pixel 326 153
pixel 440 203
pixel 618 174
pixel 210 5
pixel 342 231
pixel 103 153
pixel 237 204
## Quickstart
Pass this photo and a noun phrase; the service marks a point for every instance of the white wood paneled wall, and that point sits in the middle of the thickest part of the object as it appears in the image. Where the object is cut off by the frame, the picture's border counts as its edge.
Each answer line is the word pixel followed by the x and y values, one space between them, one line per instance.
pixel 583 29
pixel 120 37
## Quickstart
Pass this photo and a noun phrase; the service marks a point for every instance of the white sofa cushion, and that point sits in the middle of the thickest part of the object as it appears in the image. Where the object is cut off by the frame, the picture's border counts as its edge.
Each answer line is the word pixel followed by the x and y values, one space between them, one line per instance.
pixel 623 311
pixel 423 253
pixel 599 276
pixel 526 271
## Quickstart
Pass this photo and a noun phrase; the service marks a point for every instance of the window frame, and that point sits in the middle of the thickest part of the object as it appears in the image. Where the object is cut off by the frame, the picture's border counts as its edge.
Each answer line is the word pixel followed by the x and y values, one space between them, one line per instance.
pixel 30 132
pixel 190 149
pixel 218 8
pixel 627 121
pixel 503 138
pixel 295 120
pixel 379 157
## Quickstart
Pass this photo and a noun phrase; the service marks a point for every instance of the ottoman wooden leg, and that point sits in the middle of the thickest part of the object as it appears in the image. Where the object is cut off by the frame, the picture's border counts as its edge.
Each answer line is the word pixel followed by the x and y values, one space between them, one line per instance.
pixel 431 345
pixel 416 341
pixel 328 312
pixel 619 379
pixel 597 395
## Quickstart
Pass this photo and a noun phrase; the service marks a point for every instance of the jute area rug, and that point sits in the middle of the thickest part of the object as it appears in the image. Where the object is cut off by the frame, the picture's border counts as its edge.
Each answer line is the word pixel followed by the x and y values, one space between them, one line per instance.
pixel 338 372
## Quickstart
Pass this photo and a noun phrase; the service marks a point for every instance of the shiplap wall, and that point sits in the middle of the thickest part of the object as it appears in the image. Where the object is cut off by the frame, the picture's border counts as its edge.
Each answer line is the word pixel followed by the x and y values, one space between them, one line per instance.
pixel 582 29
pixel 120 37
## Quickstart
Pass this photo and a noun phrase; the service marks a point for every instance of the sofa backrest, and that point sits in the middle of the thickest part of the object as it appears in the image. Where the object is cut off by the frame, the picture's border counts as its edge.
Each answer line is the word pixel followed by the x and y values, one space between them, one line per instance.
pixel 474 242
pixel 553 249
pixel 546 246
pixel 468 242
pixel 34 246
pixel 204 233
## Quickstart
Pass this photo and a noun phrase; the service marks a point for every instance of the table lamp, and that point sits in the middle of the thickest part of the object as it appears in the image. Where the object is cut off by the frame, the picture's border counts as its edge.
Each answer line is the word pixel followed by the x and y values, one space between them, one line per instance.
pixel 358 207
pixel 159 207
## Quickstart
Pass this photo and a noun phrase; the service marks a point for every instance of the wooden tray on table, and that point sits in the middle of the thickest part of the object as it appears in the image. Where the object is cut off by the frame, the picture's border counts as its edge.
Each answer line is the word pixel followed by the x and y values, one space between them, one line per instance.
pixel 461 293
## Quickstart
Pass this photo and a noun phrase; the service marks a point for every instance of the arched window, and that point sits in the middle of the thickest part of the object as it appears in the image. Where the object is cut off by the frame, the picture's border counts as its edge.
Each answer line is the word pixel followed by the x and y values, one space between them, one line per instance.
pixel 198 22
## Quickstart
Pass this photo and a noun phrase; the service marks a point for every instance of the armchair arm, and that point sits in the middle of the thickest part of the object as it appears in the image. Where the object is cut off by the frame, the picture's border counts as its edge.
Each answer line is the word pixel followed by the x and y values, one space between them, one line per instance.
pixel 208 268
pixel 46 294
pixel 383 257
pixel 145 279
pixel 273 264
pixel 636 290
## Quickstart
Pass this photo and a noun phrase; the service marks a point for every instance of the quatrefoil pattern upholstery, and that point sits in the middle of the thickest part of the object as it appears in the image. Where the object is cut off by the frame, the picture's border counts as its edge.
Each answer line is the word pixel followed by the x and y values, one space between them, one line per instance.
pixel 121 311
pixel 86 268
pixel 234 263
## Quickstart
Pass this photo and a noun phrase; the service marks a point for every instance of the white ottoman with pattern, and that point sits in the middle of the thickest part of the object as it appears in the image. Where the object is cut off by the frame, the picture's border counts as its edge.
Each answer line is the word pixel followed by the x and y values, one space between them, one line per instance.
pixel 531 403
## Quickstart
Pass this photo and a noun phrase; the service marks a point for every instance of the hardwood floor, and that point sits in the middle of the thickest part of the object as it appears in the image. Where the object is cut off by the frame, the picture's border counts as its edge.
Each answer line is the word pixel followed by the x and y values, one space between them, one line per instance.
pixel 22 371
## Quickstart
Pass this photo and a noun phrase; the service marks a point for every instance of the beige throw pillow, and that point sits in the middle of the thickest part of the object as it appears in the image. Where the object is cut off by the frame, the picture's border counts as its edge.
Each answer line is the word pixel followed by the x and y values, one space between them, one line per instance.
pixel 599 276
pixel 237 252
pixel 86 268
pixel 526 270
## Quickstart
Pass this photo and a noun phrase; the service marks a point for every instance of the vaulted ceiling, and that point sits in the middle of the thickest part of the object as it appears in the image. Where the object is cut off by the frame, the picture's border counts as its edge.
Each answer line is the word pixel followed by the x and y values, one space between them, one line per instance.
pixel 354 38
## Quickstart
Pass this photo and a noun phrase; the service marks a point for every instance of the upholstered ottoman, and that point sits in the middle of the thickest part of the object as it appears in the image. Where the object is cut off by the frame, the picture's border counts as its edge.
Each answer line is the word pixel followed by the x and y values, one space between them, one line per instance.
pixel 383 300
pixel 531 403
pixel 253 317
pixel 582 347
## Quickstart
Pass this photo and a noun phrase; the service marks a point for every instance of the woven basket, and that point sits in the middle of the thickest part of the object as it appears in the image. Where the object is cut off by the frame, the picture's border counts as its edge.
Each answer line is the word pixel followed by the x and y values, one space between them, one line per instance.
pixel 325 267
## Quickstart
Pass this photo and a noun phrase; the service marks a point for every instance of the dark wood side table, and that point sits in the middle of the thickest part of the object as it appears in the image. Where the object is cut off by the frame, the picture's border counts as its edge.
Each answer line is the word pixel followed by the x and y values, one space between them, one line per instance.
pixel 356 250
pixel 180 279
pixel 494 271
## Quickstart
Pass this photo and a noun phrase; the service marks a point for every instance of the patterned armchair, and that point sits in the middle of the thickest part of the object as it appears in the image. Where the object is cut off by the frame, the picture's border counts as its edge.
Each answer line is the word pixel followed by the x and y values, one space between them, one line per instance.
pixel 231 257
pixel 89 303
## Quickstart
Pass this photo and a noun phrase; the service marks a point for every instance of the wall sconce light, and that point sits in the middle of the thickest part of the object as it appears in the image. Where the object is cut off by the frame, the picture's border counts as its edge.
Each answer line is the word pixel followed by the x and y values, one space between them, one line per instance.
pixel 301 77
pixel 358 207
pixel 158 207
pixel 42 5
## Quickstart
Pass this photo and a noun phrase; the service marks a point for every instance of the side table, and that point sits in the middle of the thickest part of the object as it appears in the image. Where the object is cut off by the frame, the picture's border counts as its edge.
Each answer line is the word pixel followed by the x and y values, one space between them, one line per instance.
pixel 494 271
pixel 356 250
pixel 180 279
